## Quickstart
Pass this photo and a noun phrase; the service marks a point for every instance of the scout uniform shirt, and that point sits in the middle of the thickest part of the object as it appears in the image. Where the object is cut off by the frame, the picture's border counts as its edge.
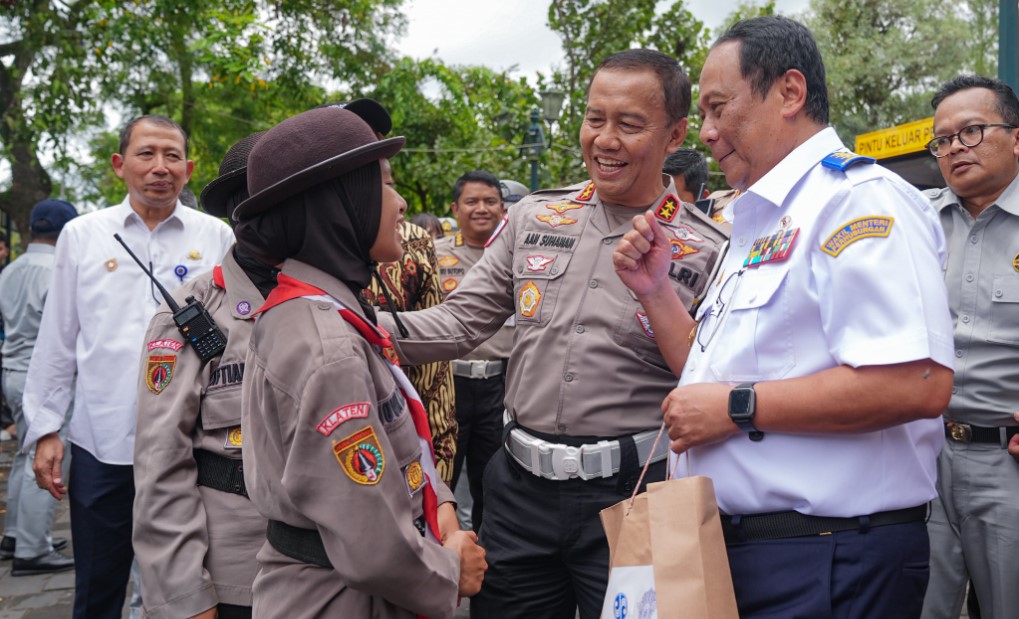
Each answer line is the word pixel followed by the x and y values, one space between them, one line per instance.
pixel 331 446
pixel 455 258
pixel 195 545
pixel 584 359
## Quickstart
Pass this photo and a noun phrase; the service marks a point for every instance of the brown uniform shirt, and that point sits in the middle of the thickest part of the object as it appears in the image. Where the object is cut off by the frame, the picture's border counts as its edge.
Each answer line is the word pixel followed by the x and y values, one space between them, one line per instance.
pixel 455 258
pixel 584 360
pixel 413 284
pixel 196 546
pixel 316 395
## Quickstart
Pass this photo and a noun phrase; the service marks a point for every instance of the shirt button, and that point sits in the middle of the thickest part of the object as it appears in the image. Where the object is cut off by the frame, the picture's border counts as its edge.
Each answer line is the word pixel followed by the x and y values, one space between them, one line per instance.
pixel 580 328
pixel 606 241
pixel 973 240
pixel 324 306
pixel 955 390
pixel 965 318
pixel 554 270
pixel 969 277
pixel 520 269
pixel 594 284
pixel 562 427
pixel 958 353
pixel 997 293
pixel 742 241
pixel 568 377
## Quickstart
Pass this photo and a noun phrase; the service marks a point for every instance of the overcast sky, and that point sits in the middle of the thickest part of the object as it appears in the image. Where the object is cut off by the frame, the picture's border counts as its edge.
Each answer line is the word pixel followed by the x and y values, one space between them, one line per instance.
pixel 504 35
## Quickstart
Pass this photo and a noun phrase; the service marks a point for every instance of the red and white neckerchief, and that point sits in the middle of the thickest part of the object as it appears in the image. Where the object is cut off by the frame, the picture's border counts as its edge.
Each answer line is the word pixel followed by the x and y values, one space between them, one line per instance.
pixel 288 288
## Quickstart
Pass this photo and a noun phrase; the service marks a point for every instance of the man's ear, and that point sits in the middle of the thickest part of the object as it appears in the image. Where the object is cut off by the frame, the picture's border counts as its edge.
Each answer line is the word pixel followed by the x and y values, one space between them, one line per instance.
pixel 793 89
pixel 190 169
pixel 117 161
pixel 677 133
pixel 455 208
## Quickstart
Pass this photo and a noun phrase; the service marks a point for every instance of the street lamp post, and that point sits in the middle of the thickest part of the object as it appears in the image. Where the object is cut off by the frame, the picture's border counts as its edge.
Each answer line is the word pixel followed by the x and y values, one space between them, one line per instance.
pixel 535 146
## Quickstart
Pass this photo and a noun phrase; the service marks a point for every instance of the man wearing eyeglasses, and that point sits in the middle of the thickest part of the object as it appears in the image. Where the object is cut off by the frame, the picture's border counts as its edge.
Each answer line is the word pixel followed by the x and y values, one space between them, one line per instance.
pixel 974 524
pixel 811 387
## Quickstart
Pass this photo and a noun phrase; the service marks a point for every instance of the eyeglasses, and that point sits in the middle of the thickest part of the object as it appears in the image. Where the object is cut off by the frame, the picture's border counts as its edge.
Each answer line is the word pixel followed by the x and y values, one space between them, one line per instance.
pixel 713 318
pixel 969 137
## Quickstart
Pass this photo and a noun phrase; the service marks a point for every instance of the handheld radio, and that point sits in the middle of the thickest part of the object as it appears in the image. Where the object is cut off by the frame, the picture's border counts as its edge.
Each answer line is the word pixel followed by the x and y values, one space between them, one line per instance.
pixel 193 320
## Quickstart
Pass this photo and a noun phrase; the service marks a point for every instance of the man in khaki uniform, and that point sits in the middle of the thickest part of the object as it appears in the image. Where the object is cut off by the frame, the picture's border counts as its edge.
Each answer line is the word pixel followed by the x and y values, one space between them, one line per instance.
pixel 339 455
pixel 195 531
pixel 586 379
pixel 480 377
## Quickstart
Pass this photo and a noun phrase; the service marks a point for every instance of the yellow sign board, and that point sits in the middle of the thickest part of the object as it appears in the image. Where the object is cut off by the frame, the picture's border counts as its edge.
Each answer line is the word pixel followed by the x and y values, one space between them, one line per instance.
pixel 898 140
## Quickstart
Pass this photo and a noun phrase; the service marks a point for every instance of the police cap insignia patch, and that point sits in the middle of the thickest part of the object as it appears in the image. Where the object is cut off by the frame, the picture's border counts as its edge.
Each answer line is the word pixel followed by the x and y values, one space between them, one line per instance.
pixel 159 372
pixel 357 410
pixel 853 231
pixel 360 456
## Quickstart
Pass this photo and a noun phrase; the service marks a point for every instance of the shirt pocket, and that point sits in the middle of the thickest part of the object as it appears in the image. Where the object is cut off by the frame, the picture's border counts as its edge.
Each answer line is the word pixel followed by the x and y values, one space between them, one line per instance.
pixel 1004 315
pixel 755 333
pixel 536 292
pixel 403 439
pixel 221 408
pixel 633 331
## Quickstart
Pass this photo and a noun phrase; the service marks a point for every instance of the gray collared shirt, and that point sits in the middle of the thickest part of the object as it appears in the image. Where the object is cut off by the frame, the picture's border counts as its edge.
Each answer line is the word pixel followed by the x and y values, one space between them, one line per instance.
pixel 982 275
pixel 23 287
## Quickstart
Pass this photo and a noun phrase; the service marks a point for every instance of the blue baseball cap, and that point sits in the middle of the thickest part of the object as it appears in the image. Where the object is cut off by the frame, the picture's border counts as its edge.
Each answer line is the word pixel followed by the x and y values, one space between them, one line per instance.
pixel 50 216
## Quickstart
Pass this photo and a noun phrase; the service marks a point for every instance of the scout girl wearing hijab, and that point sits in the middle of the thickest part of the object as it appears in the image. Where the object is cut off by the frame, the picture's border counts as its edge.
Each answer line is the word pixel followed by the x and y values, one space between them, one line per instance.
pixel 338 454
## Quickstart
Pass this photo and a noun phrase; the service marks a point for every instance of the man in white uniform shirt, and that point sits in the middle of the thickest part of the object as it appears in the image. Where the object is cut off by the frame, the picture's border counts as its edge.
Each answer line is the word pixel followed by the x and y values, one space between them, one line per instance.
pixel 823 353
pixel 98 307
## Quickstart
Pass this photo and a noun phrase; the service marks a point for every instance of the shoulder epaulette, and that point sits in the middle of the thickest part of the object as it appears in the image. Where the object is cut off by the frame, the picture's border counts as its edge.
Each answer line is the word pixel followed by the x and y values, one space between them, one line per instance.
pixel 459 240
pixel 842 159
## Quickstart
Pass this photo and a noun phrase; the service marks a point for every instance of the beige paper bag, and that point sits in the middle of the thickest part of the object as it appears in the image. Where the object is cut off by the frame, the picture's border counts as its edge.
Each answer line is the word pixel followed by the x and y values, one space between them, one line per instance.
pixel 667 555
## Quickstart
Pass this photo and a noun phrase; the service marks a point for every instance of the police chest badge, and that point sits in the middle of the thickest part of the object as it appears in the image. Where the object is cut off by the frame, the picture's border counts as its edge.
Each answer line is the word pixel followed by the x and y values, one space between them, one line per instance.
pixel 774 248
pixel 559 218
pixel 233 438
pixel 448 261
pixel 529 299
pixel 1015 263
pixel 360 456
pixel 415 477
pixel 159 372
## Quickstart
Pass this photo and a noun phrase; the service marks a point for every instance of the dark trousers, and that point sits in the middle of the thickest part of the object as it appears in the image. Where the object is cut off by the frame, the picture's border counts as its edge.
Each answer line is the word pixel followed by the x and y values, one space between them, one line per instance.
pixel 101 497
pixel 546 549
pixel 479 409
pixel 878 573
pixel 230 611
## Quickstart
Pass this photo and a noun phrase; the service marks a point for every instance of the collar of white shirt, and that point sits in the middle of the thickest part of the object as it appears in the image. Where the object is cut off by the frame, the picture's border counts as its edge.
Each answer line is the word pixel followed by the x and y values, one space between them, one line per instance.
pixel 778 183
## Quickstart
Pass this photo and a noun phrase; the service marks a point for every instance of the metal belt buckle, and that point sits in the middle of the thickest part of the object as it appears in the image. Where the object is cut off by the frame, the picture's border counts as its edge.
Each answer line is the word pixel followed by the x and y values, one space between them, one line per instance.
pixel 959 432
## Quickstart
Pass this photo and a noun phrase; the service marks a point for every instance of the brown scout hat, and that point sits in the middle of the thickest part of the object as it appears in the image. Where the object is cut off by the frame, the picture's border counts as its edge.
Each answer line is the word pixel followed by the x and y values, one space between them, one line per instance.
pixel 306 150
pixel 233 177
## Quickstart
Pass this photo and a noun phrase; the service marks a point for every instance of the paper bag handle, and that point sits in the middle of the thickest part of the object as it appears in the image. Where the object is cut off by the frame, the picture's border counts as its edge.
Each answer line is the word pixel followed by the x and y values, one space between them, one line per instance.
pixel 669 473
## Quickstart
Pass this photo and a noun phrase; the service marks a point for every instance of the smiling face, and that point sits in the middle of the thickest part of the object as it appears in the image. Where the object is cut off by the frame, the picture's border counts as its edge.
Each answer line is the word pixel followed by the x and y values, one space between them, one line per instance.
pixel 626 136
pixel 478 211
pixel 980 173
pixel 388 246
pixel 742 130
pixel 153 166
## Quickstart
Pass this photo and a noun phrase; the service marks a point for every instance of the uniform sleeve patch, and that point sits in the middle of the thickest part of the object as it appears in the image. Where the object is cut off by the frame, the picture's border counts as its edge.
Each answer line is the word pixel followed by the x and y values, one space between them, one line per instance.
pixel 357 410
pixel 667 210
pixel 233 438
pixel 448 261
pixel 169 344
pixel 360 456
pixel 530 298
pixel 159 372
pixel 855 230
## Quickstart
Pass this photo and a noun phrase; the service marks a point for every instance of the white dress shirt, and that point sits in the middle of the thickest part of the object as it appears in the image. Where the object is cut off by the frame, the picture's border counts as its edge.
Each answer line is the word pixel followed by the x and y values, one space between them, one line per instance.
pixel 881 300
pixel 99 305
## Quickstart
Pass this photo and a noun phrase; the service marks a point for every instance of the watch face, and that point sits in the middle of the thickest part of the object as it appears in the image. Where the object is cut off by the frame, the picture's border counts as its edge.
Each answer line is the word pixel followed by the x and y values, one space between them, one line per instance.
pixel 741 402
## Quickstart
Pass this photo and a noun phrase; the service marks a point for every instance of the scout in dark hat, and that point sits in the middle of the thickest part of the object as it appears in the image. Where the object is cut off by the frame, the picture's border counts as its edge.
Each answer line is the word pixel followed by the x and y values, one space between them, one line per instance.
pixel 189 442
pixel 337 454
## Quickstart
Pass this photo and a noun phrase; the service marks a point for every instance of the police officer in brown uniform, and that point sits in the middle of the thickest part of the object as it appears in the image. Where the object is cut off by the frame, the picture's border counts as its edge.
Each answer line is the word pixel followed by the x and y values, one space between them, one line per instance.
pixel 479 376
pixel 338 453
pixel 195 532
pixel 586 379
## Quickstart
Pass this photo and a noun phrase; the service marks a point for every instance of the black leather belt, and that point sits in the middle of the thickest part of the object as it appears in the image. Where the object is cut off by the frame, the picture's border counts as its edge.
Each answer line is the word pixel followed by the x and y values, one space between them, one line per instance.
pixel 967 433
pixel 297 543
pixel 220 473
pixel 306 544
pixel 780 525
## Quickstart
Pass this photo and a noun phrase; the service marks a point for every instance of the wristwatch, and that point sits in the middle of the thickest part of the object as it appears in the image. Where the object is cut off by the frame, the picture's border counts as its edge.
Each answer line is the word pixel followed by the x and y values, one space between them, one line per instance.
pixel 742 408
